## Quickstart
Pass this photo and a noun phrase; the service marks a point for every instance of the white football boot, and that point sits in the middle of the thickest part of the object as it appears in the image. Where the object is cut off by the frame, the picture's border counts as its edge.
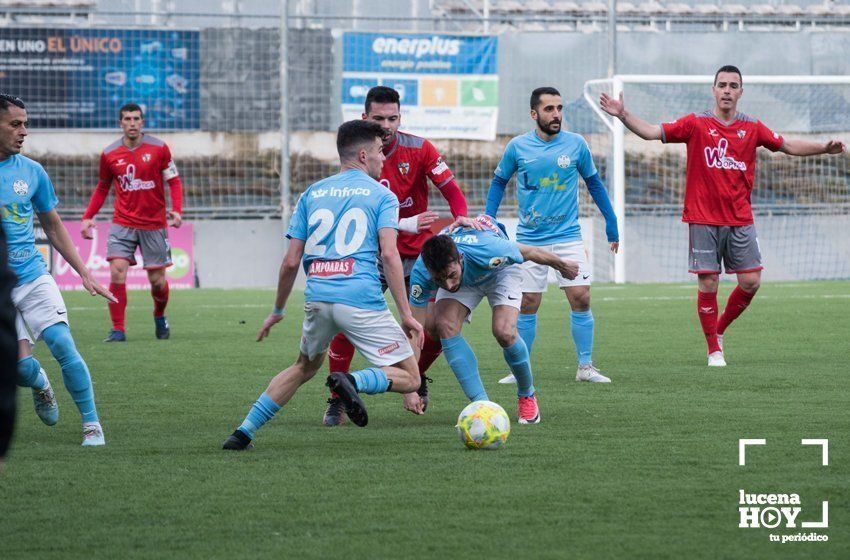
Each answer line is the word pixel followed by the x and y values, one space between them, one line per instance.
pixel 591 374
pixel 716 359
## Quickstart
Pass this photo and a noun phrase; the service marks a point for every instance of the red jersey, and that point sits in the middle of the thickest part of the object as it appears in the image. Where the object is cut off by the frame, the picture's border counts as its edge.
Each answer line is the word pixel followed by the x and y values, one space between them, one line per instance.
pixel 721 165
pixel 412 160
pixel 138 176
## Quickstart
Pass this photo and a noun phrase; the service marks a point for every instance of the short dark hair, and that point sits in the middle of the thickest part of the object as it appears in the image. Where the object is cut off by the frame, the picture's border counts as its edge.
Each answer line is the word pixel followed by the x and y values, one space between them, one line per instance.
pixel 731 70
pixel 351 136
pixel 381 94
pixel 129 108
pixel 6 100
pixel 540 92
pixel 438 253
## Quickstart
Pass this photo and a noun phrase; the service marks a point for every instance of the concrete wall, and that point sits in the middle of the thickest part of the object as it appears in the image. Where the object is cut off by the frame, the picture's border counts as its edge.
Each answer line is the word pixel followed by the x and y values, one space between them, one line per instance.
pixel 248 253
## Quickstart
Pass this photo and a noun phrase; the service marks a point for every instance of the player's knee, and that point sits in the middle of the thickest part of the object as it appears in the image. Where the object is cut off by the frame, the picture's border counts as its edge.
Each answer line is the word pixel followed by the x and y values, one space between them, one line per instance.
pixel 708 282
pixel 158 282
pixel 505 335
pixel 750 285
pixel 61 344
pixel 580 303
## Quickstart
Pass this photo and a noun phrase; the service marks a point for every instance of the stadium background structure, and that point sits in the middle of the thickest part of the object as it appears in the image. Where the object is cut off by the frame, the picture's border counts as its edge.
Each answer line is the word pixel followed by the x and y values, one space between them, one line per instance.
pixel 238 186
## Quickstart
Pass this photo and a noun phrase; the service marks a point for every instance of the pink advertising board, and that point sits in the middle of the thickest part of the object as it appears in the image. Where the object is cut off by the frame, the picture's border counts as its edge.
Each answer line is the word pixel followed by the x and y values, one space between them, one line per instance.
pixel 93 251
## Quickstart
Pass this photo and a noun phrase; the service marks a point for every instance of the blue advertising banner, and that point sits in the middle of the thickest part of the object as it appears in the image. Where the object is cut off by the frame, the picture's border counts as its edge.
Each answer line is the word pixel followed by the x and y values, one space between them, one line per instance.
pixel 78 78
pixel 448 84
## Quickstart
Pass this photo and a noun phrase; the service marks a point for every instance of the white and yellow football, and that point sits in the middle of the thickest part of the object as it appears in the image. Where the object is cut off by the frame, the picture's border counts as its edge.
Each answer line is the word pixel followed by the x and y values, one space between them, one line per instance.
pixel 483 425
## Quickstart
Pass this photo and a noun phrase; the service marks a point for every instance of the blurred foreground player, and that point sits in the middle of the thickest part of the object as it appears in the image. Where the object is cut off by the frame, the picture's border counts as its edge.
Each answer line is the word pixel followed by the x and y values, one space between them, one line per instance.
pixel 26 190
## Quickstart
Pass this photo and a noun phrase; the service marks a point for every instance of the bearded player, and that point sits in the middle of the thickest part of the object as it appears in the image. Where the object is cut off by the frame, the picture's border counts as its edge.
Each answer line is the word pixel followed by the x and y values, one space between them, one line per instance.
pixel 410 162
pixel 138 164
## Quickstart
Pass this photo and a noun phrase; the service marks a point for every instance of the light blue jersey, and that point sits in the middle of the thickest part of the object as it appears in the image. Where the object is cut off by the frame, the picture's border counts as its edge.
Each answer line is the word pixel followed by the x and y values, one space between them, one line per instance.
pixel 25 189
pixel 547 185
pixel 482 254
pixel 338 219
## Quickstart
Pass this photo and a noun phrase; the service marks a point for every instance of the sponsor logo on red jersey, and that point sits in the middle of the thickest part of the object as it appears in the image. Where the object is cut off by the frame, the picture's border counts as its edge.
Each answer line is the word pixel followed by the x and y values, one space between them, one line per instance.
pixel 325 269
pixel 128 181
pixel 716 157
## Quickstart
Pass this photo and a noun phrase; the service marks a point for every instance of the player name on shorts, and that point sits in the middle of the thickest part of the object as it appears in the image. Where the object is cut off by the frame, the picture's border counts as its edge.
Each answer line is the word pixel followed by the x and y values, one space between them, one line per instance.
pixel 325 269
pixel 344 192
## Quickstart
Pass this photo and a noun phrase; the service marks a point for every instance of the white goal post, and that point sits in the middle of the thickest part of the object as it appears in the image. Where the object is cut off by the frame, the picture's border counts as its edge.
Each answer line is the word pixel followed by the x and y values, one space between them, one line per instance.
pixel 653 106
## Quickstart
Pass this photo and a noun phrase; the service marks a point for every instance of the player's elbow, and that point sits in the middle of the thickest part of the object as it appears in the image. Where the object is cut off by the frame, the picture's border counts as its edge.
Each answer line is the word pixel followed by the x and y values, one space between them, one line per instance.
pixel 290 264
pixel 389 255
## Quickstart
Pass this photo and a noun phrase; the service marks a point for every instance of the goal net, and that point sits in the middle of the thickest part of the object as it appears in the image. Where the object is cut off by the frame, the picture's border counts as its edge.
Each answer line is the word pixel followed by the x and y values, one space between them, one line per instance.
pixel 801 204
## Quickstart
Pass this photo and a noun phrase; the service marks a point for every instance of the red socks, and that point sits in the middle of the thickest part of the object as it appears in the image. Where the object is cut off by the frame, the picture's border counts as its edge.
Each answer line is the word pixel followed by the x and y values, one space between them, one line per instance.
pixel 431 350
pixel 707 312
pixel 160 300
pixel 738 301
pixel 117 311
pixel 340 354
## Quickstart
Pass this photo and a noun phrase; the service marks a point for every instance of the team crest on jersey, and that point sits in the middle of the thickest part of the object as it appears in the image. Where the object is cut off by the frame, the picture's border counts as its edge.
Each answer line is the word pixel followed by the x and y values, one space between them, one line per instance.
pixel 146 158
pixel 496 262
pixel 404 168
pixel 20 187
pixel 741 133
pixel 563 161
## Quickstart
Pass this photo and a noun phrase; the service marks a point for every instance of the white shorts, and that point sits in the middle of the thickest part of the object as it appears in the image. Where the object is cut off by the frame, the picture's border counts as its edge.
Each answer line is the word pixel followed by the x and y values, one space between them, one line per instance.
pixel 375 334
pixel 536 276
pixel 39 305
pixel 503 288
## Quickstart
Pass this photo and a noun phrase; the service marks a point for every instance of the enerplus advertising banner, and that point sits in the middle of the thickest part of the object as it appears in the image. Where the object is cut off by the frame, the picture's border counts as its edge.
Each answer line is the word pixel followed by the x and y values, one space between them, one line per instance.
pixel 449 85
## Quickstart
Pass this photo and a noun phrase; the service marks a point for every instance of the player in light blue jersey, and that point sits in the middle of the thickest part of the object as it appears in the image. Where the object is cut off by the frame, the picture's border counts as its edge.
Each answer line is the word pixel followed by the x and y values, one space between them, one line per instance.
pixel 548 163
pixel 339 227
pixel 457 269
pixel 26 191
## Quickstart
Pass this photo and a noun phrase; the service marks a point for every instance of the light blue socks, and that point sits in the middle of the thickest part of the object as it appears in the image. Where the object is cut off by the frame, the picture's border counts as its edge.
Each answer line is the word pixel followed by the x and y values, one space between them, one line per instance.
pixel 75 372
pixel 261 412
pixel 516 355
pixel 581 323
pixel 464 364
pixel 29 374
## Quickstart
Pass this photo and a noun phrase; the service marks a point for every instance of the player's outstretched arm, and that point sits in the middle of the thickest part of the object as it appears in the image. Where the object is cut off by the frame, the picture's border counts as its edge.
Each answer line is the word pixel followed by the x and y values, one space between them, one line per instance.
pixel 806 148
pixel 394 274
pixel 285 281
pixel 568 268
pixel 617 108
pixel 59 237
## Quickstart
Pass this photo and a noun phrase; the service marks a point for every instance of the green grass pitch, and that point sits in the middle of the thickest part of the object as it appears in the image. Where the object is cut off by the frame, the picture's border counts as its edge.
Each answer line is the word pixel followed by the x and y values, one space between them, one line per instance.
pixel 646 467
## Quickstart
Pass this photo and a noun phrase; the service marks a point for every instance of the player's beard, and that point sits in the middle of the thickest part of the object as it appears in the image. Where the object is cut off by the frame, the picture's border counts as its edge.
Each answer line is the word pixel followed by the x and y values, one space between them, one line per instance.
pixel 547 128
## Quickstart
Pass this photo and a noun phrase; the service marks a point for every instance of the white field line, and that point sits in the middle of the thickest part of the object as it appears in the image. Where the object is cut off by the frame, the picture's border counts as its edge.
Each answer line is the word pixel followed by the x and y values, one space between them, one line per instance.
pixel 595 298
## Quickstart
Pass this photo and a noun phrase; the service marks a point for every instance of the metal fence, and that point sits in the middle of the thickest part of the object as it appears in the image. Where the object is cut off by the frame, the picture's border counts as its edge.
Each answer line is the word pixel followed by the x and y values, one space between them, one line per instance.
pixel 231 164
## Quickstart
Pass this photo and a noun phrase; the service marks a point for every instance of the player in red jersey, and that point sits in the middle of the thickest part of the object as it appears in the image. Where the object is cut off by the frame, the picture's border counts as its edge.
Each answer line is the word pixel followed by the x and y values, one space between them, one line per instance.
pixel 719 178
pixel 410 163
pixel 137 164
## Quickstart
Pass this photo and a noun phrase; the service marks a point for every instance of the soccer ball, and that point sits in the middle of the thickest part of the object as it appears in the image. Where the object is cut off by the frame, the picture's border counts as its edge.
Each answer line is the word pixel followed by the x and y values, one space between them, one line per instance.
pixel 483 425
